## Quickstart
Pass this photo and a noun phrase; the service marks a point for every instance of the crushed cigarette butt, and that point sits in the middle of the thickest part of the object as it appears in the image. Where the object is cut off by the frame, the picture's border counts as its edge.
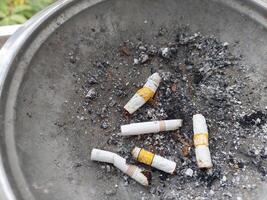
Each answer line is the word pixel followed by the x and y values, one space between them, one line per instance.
pixel 131 170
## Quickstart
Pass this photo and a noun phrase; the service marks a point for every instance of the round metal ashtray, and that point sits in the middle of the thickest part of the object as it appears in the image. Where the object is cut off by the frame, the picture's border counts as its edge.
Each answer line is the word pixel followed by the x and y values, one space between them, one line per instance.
pixel 66 75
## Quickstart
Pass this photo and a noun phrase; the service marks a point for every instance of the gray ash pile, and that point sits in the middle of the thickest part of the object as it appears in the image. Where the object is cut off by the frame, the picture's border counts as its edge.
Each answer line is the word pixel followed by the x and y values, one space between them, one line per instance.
pixel 199 75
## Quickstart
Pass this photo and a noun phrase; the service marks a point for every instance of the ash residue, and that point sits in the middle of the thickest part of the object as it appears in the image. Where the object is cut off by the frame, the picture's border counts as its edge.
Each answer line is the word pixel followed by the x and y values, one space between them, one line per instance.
pixel 200 74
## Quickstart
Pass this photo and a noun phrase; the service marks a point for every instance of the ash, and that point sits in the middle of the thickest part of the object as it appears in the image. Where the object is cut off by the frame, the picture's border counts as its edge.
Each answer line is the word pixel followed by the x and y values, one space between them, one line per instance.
pixel 200 75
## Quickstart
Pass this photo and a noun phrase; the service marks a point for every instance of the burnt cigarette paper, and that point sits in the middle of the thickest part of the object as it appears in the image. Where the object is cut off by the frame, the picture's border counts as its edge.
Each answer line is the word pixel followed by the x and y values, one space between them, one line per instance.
pixel 131 170
pixel 150 127
pixel 153 160
pixel 144 94
pixel 201 141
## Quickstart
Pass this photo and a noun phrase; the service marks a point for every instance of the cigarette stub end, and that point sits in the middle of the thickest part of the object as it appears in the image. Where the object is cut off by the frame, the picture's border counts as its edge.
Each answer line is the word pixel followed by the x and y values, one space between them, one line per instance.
pixel 135 152
pixel 153 160
pixel 201 142
pixel 155 78
pixel 203 157
pixel 93 154
pixel 133 171
pixel 137 174
pixel 143 94
pixel 102 156
pixel 199 124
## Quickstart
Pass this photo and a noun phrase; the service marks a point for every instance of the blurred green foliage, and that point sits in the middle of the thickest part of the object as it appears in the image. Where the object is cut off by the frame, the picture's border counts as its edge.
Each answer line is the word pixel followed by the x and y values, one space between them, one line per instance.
pixel 18 11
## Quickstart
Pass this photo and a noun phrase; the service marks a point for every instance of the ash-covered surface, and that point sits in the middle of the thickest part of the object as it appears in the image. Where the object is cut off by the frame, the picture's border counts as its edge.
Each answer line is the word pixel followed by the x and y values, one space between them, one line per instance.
pixel 200 75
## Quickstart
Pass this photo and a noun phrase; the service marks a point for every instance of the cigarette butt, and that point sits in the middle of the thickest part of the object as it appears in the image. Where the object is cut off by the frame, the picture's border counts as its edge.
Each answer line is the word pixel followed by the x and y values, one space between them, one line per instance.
pixel 201 141
pixel 131 170
pixel 154 160
pixel 144 94
pixel 150 127
pixel 102 156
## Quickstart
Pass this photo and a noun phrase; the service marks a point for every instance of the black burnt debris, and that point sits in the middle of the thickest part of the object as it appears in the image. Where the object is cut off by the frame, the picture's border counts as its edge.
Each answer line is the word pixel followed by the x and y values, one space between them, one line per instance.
pixel 256 118
pixel 200 75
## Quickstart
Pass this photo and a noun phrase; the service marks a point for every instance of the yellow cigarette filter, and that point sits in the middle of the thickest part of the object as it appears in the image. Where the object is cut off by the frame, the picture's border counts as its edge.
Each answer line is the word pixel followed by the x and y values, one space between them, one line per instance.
pixel 146 93
pixel 201 139
pixel 145 157
pixel 153 160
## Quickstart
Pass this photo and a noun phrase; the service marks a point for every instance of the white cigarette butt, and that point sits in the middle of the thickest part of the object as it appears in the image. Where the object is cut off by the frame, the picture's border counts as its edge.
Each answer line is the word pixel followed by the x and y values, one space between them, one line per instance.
pixel 150 127
pixel 144 94
pixel 201 141
pixel 131 170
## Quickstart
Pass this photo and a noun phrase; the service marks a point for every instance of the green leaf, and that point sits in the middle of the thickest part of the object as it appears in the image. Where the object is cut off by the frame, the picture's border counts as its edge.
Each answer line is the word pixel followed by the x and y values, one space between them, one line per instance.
pixel 39 5
pixel 18 19
pixel 3 3
pixel 21 9
pixel 20 13
pixel 2 15
pixel 28 14
pixel 5 21
pixel 3 7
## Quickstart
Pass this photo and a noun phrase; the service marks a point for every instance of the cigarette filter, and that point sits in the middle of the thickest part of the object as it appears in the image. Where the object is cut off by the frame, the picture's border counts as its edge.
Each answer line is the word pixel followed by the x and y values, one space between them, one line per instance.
pixel 150 127
pixel 144 94
pixel 131 170
pixel 201 141
pixel 153 160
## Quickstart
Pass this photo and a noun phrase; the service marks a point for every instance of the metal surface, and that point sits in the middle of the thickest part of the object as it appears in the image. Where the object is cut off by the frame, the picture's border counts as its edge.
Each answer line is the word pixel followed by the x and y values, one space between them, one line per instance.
pixel 27 168
pixel 6 32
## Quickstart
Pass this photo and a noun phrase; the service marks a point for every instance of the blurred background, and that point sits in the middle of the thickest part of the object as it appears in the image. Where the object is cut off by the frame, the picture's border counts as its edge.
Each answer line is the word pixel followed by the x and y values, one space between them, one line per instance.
pixel 18 11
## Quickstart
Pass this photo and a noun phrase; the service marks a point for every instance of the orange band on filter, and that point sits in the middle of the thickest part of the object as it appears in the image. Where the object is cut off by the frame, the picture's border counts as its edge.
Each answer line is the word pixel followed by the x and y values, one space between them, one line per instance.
pixel 201 139
pixel 146 93
pixel 145 157
pixel 162 126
